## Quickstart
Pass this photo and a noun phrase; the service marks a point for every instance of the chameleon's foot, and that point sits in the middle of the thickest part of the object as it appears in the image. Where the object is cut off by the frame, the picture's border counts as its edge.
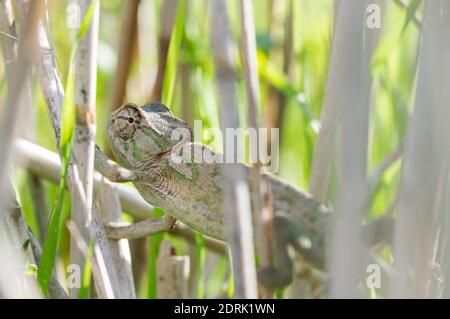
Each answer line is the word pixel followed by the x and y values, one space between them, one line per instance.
pixel 116 173
pixel 275 278
pixel 140 229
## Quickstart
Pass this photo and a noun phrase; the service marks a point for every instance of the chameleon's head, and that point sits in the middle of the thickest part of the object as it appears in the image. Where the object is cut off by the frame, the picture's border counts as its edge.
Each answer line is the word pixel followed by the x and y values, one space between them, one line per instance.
pixel 137 135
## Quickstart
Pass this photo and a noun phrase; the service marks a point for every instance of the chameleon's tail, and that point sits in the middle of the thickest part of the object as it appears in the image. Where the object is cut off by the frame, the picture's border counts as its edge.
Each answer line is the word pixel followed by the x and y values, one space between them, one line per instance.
pixel 289 233
pixel 276 278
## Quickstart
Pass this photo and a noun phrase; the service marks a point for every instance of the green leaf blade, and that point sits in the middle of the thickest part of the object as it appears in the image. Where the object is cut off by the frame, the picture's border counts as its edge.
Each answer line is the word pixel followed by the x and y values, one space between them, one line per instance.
pixel 172 55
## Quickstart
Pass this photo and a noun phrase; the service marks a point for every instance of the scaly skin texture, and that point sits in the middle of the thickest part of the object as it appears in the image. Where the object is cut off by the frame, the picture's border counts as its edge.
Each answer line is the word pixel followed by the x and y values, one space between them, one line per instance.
pixel 144 139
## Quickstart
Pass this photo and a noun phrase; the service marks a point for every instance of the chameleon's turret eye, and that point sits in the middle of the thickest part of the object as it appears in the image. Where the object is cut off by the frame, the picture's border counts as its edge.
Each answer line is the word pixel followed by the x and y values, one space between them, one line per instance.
pixel 126 122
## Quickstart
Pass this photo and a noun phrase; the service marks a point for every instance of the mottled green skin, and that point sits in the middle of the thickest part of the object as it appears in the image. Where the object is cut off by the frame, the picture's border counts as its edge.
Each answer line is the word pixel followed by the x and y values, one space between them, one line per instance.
pixel 140 138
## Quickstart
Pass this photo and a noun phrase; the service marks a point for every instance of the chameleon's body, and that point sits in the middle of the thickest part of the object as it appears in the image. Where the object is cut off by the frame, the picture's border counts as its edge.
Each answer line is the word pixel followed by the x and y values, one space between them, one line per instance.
pixel 142 141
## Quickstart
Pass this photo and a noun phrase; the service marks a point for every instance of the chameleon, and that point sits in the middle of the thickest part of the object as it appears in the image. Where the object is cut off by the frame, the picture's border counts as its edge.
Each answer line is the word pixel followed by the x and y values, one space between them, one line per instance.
pixel 142 141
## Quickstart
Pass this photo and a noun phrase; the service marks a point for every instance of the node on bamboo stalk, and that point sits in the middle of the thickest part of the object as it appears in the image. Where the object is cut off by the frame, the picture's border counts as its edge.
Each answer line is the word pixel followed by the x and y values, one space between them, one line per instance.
pixel 172 273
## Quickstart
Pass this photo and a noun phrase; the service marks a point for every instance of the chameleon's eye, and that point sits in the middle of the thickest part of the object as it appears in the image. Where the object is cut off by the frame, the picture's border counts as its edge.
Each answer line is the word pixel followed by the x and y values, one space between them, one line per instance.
pixel 126 122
